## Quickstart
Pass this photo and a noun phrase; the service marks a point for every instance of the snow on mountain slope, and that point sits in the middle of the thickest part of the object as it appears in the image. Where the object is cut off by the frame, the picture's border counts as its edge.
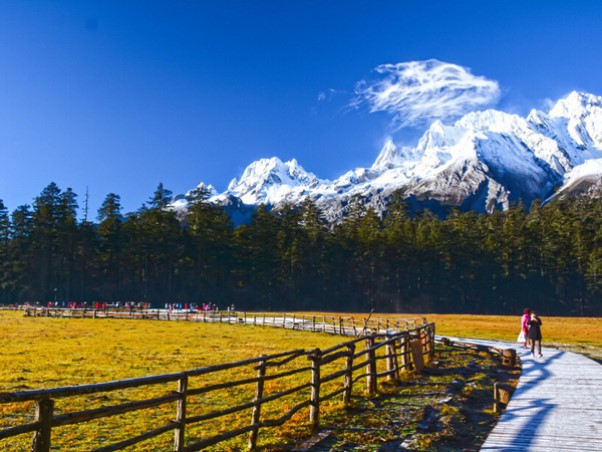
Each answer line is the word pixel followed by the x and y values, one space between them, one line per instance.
pixel 484 161
pixel 271 181
pixel 583 115
pixel 583 179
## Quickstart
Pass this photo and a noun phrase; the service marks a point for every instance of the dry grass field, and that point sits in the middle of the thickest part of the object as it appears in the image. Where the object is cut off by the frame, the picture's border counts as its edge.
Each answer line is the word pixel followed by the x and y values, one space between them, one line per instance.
pixel 40 353
pixel 579 334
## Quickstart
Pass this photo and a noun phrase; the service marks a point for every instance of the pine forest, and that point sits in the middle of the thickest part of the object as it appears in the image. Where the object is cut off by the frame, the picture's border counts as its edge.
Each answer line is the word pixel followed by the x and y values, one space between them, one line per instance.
pixel 546 257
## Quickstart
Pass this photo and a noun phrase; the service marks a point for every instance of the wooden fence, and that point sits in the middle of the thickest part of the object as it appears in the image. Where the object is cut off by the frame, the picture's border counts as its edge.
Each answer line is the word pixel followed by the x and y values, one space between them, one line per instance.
pixel 333 324
pixel 320 375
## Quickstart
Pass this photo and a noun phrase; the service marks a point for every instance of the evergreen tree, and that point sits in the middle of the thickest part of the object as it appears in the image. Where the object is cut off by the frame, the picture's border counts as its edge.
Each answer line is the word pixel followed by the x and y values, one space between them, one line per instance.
pixel 209 258
pixel 398 252
pixel 21 282
pixel 5 273
pixel 258 260
pixel 111 247
pixel 314 278
pixel 46 241
pixel 68 242
pixel 157 248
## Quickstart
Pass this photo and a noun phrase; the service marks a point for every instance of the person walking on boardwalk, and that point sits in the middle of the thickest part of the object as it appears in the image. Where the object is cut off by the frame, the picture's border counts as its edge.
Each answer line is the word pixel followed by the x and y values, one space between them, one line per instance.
pixel 535 334
pixel 524 324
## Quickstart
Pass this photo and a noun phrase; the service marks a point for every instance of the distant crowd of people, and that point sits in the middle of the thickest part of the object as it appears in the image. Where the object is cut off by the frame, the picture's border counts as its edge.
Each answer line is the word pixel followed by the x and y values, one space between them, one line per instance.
pixel 196 307
pixel 93 305
pixel 129 305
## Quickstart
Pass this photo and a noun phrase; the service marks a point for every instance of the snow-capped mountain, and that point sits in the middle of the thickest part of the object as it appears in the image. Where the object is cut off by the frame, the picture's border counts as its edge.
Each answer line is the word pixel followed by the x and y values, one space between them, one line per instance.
pixel 484 161
pixel 272 182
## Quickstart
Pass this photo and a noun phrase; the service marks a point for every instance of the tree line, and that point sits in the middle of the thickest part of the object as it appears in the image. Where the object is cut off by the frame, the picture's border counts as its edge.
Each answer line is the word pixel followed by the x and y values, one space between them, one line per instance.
pixel 545 257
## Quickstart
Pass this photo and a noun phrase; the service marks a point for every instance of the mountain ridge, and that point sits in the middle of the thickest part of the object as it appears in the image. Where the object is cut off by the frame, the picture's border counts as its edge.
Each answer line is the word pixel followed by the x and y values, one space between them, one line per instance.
pixel 484 161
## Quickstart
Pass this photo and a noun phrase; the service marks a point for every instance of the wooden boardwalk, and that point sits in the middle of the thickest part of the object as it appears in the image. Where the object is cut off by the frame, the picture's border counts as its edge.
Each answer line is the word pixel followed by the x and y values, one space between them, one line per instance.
pixel 557 405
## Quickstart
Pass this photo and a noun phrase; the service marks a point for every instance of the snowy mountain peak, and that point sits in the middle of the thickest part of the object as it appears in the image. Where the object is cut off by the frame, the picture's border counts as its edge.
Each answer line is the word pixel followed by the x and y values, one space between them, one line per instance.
pixel 484 161
pixel 440 136
pixel 210 189
pixel 389 157
pixel 271 181
pixel 491 121
pixel 583 115
pixel 576 104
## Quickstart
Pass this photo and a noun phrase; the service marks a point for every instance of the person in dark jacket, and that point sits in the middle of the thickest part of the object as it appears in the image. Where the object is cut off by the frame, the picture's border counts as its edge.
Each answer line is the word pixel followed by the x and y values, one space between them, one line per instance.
pixel 535 334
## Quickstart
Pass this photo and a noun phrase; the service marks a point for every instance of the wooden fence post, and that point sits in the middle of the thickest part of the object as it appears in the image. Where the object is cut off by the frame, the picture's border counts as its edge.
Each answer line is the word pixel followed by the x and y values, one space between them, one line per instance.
pixel 392 367
pixel 509 357
pixel 314 401
pixel 501 396
pixel 432 341
pixel 41 437
pixel 341 331
pixel 348 382
pixel 257 408
pixel 180 431
pixel 405 362
pixel 417 355
pixel 313 324
pixel 371 367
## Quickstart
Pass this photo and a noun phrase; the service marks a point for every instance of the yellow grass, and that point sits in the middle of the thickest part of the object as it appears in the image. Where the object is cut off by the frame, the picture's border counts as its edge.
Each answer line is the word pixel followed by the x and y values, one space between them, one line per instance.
pixel 40 353
pixel 556 330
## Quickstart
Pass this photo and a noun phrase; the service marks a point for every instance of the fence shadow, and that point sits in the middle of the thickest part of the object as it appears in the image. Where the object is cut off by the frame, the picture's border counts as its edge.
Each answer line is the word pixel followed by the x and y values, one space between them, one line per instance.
pixel 534 408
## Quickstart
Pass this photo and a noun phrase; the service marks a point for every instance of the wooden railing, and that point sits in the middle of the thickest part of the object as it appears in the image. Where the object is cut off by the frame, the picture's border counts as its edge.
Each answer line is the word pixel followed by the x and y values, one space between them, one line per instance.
pixel 308 377
pixel 333 324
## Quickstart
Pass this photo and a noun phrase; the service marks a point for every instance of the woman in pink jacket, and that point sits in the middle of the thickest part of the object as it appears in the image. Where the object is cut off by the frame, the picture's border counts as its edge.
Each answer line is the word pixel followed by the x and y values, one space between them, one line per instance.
pixel 525 325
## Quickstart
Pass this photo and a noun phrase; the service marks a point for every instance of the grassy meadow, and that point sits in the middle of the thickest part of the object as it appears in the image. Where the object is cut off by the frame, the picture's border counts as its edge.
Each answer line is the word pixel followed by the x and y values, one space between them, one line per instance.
pixel 568 332
pixel 579 334
pixel 40 353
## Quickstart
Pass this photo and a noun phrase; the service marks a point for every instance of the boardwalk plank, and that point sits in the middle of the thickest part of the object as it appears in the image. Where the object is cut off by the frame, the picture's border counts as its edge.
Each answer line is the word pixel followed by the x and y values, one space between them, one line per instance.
pixel 557 405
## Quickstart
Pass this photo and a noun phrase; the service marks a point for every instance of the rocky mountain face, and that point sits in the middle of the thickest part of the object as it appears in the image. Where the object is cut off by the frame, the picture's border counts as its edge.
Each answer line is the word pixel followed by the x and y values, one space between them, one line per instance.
pixel 483 162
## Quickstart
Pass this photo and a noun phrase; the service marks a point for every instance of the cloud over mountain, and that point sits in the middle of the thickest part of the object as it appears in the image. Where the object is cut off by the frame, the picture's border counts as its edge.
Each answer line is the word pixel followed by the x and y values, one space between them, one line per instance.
pixel 416 93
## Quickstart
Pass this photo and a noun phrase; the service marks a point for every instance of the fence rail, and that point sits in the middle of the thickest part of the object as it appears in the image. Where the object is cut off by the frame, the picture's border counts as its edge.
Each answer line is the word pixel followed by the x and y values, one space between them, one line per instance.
pixel 320 375
pixel 334 324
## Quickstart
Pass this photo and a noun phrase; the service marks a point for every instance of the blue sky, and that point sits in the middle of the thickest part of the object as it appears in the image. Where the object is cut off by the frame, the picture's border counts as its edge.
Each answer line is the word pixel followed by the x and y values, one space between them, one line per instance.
pixel 118 96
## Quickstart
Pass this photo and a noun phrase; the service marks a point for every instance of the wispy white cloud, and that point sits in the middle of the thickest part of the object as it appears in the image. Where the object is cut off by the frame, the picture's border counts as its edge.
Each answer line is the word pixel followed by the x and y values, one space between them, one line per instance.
pixel 326 96
pixel 417 92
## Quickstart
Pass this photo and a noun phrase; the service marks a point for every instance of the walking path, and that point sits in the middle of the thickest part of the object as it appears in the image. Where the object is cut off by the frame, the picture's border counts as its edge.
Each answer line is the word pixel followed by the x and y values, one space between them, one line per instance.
pixel 557 405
